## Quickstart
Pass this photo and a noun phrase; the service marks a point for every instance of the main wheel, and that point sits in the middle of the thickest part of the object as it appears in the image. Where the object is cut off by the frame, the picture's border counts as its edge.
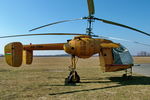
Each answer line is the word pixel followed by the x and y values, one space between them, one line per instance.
pixel 73 77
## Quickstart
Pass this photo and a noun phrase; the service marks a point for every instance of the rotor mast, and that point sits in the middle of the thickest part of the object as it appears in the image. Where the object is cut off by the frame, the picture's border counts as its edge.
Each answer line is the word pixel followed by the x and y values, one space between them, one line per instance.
pixel 90 21
pixel 90 17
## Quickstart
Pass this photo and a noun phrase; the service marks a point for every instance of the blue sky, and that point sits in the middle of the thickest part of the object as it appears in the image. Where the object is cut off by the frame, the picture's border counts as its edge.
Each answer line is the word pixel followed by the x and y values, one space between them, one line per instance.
pixel 19 16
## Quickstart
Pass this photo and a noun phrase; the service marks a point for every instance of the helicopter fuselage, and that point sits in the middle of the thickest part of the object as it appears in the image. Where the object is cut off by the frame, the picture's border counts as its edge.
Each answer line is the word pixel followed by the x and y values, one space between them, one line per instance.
pixel 86 46
pixel 82 46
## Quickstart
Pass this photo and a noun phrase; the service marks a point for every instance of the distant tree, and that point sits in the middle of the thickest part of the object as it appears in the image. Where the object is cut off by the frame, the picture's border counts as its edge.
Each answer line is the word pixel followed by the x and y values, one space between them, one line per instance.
pixel 143 54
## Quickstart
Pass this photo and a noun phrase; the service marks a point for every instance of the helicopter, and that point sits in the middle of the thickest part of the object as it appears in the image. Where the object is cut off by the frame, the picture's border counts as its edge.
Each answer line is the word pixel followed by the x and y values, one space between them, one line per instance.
pixel 113 56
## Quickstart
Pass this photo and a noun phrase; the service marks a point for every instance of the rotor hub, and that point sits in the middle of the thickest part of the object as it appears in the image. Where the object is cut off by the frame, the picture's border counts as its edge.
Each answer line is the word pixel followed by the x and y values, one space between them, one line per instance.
pixel 89 29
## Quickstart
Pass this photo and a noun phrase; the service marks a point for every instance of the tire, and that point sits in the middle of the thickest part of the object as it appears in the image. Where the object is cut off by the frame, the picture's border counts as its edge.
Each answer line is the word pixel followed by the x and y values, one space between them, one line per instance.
pixel 71 78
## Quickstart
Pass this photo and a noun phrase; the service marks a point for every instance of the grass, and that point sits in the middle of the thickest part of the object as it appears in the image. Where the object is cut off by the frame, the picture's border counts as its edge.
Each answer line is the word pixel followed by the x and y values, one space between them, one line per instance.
pixel 44 80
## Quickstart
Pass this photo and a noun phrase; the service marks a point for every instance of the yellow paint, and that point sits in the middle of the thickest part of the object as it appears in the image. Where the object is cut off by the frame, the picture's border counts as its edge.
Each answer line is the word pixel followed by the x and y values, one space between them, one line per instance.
pixel 27 56
pixel 54 46
pixel 82 46
pixel 13 54
pixel 109 45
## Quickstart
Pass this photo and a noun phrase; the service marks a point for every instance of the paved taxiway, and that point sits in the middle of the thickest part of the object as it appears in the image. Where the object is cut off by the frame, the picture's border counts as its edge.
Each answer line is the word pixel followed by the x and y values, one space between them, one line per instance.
pixel 143 69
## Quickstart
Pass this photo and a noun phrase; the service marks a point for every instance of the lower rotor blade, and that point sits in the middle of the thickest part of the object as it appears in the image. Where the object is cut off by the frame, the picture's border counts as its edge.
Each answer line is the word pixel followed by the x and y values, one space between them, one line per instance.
pixel 113 38
pixel 55 23
pixel 121 25
pixel 41 34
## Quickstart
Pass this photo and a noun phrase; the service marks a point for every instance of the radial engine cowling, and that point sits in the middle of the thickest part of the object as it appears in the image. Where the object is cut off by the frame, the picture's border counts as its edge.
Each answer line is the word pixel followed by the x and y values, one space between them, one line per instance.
pixel 82 46
pixel 13 54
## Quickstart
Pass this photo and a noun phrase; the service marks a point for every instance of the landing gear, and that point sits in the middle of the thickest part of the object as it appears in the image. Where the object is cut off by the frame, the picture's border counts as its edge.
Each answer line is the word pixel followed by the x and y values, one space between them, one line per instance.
pixel 128 74
pixel 73 76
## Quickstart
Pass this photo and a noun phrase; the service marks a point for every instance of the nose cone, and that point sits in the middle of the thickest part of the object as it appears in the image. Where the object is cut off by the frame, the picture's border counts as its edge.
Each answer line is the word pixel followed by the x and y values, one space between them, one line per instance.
pixel 69 49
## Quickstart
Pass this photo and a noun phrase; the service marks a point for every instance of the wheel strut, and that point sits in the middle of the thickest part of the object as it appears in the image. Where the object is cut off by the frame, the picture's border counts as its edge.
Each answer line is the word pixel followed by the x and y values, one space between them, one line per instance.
pixel 128 74
pixel 73 75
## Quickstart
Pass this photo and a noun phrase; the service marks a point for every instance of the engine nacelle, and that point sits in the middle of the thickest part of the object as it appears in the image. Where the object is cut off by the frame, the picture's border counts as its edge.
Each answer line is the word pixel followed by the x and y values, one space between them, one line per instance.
pixel 13 54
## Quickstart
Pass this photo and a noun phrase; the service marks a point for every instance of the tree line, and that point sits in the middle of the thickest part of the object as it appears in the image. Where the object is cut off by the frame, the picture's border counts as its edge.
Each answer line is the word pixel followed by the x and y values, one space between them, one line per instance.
pixel 143 54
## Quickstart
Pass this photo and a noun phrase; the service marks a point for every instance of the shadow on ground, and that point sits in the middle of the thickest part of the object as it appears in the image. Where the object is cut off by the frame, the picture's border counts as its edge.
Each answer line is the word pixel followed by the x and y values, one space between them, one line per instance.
pixel 135 80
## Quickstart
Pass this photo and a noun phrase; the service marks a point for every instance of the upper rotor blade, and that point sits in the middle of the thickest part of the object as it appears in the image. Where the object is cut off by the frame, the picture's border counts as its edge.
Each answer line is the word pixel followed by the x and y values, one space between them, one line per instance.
pixel 41 34
pixel 113 38
pixel 91 7
pixel 55 23
pixel 121 25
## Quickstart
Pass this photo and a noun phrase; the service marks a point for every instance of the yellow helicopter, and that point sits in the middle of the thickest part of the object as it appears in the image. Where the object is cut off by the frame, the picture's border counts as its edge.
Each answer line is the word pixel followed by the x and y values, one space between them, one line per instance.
pixel 113 56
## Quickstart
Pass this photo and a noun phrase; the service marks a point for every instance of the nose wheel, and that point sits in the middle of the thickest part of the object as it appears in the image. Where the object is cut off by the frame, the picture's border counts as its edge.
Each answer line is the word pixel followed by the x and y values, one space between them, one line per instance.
pixel 73 75
pixel 127 75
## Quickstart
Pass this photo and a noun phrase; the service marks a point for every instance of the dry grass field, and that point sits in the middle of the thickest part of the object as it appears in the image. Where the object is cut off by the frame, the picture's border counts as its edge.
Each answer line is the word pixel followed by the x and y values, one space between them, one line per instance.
pixel 44 80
